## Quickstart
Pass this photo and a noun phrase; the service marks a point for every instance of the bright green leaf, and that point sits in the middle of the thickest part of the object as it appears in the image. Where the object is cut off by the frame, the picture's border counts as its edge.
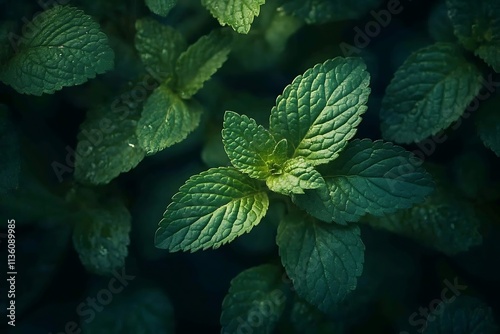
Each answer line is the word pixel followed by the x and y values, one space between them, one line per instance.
pixel 238 14
pixel 166 119
pixel 145 310
pixel 211 209
pixel 294 177
pixel 322 11
pixel 443 222
pixel 107 144
pixel 368 177
pixel 201 60
pixel 66 49
pixel 428 92
pixel 159 47
pixel 477 26
pixel 101 237
pixel 249 146
pixel 465 315
pixel 322 260
pixel 488 124
pixel 161 7
pixel 320 110
pixel 9 146
pixel 256 292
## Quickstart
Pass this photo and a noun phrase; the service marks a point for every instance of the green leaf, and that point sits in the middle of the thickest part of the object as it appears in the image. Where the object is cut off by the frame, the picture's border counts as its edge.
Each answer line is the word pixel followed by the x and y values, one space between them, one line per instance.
pixel 166 119
pixel 11 160
pixel 294 177
pixel 161 7
pixel 107 144
pixel 428 92
pixel 368 177
pixel 463 315
pixel 488 124
pixel 477 26
pixel 238 14
pixel 323 11
pixel 443 222
pixel 201 60
pixel 256 293
pixel 101 237
pixel 211 209
pixel 322 260
pixel 66 49
pixel 319 111
pixel 249 146
pixel 159 47
pixel 145 309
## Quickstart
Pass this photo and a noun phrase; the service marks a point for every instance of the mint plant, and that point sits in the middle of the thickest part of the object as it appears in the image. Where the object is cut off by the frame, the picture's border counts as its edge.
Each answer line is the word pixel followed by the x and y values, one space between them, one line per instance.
pixel 307 156
pixel 309 222
pixel 435 85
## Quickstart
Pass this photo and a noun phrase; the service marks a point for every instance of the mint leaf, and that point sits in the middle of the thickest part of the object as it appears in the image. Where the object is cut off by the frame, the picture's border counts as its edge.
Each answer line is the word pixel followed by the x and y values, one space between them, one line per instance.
pixel 239 14
pixel 145 309
pixel 211 209
pixel 319 111
pixel 465 315
pixel 258 291
pixel 107 143
pixel 159 47
pixel 323 11
pixel 322 260
pixel 161 7
pixel 294 176
pixel 477 26
pixel 11 160
pixel 66 49
pixel 428 92
pixel 101 237
pixel 488 124
pixel 443 222
pixel 249 146
pixel 368 177
pixel 166 119
pixel 201 60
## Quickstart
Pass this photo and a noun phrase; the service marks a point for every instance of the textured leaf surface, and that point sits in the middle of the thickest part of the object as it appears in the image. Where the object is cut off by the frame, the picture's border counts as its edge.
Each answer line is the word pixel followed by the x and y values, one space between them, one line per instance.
pixel 211 209
pixel 101 238
pixel 322 260
pixel 322 11
pixel 159 47
pixel 107 144
pixel 201 60
pixel 9 146
pixel 258 291
pixel 294 177
pixel 368 177
pixel 161 7
pixel 66 49
pixel 238 14
pixel 319 111
pixel 442 222
pixel 428 92
pixel 249 146
pixel 465 315
pixel 477 26
pixel 166 119
pixel 488 124
pixel 144 310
